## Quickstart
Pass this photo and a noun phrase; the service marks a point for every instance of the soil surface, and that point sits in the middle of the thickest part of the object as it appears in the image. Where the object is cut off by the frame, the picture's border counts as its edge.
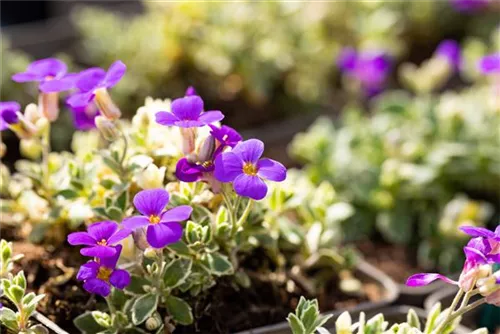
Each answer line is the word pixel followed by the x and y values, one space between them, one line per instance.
pixel 397 261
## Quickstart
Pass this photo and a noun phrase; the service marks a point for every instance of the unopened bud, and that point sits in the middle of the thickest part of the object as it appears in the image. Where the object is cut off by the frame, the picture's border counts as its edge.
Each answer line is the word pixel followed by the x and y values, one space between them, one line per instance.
pixel 31 148
pixel 153 322
pixel 141 119
pixel 108 128
pixel 207 149
pixel 48 104
pixel 150 253
pixel 140 241
pixel 23 129
pixel 343 324
pixel 31 113
pixel 106 105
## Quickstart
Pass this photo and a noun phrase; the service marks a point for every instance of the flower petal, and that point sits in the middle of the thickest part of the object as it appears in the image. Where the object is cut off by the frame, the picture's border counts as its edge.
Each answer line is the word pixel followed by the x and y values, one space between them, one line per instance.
pixel 9 105
pixel 25 77
pixel 151 201
pixel 97 286
pixel 249 150
pixel 490 64
pixel 177 214
pixel 187 108
pixel 228 166
pixel 271 170
pixel 87 271
pixel 135 222
pixel 477 231
pixel 115 72
pixel 111 261
pixel 90 79
pixel 211 116
pixel 187 172
pixel 80 99
pixel 98 251
pixel 119 236
pixel 102 230
pixel 41 69
pixel 225 135
pixel 119 278
pixel 58 85
pixel 81 238
pixel 250 186
pixel 166 118
pixel 425 279
pixel 163 234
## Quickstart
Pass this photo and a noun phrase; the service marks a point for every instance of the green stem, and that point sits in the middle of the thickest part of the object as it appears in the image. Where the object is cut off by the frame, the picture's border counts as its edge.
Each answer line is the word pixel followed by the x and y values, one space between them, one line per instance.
pixel 243 217
pixel 125 149
pixel 468 308
pixel 454 304
pixel 111 307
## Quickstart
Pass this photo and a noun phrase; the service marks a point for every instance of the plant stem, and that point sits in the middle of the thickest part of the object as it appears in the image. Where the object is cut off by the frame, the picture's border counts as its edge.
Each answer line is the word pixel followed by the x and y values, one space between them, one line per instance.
pixel 467 308
pixel 243 217
pixel 125 149
pixel 453 305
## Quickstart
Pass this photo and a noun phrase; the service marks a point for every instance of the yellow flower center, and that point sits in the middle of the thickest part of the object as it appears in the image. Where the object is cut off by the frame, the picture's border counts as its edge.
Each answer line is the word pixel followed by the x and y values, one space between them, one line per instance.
pixel 249 169
pixel 207 164
pixel 154 219
pixel 103 242
pixel 104 273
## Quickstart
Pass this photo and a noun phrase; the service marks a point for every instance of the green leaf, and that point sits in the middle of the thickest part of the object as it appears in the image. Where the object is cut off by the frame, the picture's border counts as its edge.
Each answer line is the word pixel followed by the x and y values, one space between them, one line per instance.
pixel 16 293
pixel 38 233
pixel 114 213
pixel 118 298
pixel 412 319
pixel 113 164
pixel 107 183
pixel 6 314
pixel 87 324
pixel 176 272
pixel 100 212
pixel 220 264
pixel 39 329
pixel 309 318
pixel 180 248
pixel 68 193
pixel 295 324
pixel 143 307
pixel 136 285
pixel 432 317
pixel 122 201
pixel 179 310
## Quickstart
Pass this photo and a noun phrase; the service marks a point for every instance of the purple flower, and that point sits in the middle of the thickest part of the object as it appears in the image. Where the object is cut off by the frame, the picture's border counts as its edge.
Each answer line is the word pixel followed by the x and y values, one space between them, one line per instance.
pixel 187 171
pixel 225 135
pixel 469 5
pixel 475 256
pixel 490 64
pixel 492 238
pixel 92 85
pixel 8 114
pixel 187 112
pixel 42 71
pixel 450 51
pixel 163 226
pixel 100 239
pixel 84 117
pixel 98 276
pixel 190 91
pixel 244 167
pixel 370 69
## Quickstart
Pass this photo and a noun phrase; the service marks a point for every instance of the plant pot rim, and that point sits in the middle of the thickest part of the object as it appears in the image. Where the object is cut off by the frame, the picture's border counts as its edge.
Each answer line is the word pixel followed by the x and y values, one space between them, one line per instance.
pixel 391 293
pixel 51 326
pixel 436 296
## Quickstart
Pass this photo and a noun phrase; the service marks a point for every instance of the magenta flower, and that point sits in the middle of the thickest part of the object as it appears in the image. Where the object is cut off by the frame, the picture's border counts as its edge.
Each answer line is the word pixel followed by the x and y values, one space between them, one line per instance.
pixel 187 171
pixel 99 276
pixel 244 167
pixel 493 239
pixel 490 64
pixel 92 85
pixel 42 71
pixel 84 117
pixel 225 135
pixel 163 226
pixel 8 114
pixel 187 112
pixel 190 91
pixel 370 69
pixel 450 51
pixel 475 256
pixel 100 239
pixel 470 5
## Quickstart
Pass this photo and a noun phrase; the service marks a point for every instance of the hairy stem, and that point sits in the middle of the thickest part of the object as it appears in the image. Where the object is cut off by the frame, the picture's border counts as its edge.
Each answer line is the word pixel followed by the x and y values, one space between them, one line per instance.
pixel 243 217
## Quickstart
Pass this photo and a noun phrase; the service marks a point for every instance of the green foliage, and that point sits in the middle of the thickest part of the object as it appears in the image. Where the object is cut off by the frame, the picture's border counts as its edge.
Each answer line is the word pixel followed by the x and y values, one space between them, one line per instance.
pixel 306 319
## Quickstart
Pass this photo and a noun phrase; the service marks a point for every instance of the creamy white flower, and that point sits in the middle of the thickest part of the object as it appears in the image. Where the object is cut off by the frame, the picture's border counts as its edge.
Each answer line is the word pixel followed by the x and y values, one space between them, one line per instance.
pixel 151 177
pixel 35 207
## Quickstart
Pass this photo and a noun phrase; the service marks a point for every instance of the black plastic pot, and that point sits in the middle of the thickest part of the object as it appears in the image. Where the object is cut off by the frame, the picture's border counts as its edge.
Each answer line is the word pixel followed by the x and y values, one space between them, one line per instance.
pixel 416 296
pixel 49 324
pixel 364 271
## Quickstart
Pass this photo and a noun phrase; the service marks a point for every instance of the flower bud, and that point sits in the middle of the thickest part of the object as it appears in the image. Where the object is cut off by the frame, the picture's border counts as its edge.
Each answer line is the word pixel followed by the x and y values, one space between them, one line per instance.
pixel 150 253
pixel 141 119
pixel 343 324
pixel 207 149
pixel 108 128
pixel 140 241
pixel 31 113
pixel 188 140
pixel 153 322
pixel 151 177
pixel 48 104
pixel 106 105
pixel 24 129
pixel 31 148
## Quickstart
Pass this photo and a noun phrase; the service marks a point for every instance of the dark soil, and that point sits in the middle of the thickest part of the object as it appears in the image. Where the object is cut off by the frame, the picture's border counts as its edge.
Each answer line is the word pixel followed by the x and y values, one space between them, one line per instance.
pixel 397 261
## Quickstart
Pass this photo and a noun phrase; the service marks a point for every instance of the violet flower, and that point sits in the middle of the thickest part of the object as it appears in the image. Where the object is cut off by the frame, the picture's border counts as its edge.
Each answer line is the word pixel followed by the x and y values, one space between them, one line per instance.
pixel 42 71
pixel 99 239
pixel 490 64
pixel 475 256
pixel 370 69
pixel 99 276
pixel 93 84
pixel 190 91
pixel 84 117
pixel 225 135
pixel 187 171
pixel 470 5
pixel 8 114
pixel 450 51
pixel 244 167
pixel 163 226
pixel 493 239
pixel 187 112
